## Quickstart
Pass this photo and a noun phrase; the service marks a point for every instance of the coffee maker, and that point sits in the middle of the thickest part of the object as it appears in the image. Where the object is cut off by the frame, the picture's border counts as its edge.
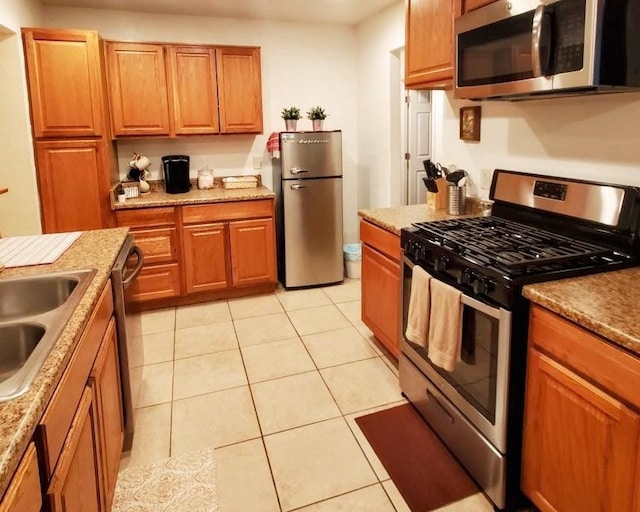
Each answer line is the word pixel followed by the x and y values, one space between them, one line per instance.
pixel 176 174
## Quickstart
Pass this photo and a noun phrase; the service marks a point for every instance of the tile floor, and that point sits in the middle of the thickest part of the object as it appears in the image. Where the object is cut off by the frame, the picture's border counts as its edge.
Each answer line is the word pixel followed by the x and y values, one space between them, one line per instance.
pixel 273 383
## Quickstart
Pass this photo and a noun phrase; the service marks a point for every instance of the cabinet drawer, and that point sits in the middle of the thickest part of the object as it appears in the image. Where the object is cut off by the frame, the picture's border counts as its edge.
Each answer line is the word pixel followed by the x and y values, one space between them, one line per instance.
pixel 236 210
pixel 158 245
pixel 53 427
pixel 145 217
pixel 23 494
pixel 156 282
pixel 383 241
pixel 597 360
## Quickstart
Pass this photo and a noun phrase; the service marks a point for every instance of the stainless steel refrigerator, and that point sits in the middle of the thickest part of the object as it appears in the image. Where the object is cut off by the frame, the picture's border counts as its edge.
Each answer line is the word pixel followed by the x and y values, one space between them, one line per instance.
pixel 308 186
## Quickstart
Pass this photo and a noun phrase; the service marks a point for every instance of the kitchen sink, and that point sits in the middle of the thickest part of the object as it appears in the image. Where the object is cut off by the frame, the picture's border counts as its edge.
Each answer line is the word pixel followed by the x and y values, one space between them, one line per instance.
pixel 33 313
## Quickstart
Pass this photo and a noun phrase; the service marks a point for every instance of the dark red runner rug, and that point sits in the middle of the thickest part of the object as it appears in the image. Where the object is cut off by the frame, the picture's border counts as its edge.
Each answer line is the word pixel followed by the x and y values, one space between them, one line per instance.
pixel 423 470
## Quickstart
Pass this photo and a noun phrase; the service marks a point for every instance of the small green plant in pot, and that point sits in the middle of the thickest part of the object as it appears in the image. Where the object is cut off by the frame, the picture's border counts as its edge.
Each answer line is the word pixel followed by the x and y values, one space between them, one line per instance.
pixel 291 116
pixel 317 115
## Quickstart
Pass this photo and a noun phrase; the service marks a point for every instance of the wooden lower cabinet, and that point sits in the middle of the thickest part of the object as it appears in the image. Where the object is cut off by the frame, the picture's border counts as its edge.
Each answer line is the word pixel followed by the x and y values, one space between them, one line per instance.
pixel 23 494
pixel 381 285
pixel 581 437
pixel 252 252
pixel 205 257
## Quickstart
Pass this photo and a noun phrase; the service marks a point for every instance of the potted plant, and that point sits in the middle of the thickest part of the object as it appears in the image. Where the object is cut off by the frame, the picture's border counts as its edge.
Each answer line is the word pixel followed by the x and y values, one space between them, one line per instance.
pixel 290 116
pixel 317 116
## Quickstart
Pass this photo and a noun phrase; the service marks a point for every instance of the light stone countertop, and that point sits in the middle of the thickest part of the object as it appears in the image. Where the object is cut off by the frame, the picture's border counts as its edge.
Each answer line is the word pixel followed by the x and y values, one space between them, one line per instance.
pixel 18 418
pixel 158 197
pixel 606 304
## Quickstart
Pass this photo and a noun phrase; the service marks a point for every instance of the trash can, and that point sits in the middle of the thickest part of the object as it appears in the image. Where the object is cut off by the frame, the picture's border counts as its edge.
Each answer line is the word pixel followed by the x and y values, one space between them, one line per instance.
pixel 353 260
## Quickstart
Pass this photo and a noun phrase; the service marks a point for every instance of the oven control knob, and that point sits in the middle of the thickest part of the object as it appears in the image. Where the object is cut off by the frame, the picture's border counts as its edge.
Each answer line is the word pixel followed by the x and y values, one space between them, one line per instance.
pixel 482 286
pixel 464 277
pixel 440 264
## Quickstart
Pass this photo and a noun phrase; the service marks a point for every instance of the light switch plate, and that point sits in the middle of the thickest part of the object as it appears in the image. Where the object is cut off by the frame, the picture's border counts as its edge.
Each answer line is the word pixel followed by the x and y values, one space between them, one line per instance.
pixel 485 178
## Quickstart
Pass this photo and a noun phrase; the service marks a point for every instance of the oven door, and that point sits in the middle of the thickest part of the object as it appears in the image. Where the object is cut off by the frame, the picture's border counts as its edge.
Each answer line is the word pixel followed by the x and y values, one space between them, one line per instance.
pixel 478 386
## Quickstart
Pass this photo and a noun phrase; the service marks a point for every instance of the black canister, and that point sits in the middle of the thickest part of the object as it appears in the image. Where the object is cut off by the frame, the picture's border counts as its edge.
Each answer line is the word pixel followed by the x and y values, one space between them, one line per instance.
pixel 176 174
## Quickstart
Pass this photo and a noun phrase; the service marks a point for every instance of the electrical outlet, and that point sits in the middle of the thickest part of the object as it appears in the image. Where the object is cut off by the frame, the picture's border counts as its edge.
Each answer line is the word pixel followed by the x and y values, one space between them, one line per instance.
pixel 257 162
pixel 485 178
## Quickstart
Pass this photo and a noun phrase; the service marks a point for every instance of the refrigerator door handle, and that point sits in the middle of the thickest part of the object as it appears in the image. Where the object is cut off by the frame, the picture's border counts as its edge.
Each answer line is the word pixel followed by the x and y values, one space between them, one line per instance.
pixel 298 170
pixel 298 187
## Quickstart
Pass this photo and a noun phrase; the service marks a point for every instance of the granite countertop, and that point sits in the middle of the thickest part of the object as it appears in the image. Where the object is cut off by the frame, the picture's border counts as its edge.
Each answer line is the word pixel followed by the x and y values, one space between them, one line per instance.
pixel 18 418
pixel 397 217
pixel 606 304
pixel 158 197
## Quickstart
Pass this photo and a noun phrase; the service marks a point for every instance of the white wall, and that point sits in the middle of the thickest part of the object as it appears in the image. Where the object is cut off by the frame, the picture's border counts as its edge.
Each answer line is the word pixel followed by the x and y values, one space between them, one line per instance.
pixel 19 208
pixel 379 175
pixel 586 137
pixel 302 64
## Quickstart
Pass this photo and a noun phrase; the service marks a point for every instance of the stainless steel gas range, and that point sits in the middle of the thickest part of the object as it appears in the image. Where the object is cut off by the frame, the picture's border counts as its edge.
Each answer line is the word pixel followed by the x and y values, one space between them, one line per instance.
pixel 540 228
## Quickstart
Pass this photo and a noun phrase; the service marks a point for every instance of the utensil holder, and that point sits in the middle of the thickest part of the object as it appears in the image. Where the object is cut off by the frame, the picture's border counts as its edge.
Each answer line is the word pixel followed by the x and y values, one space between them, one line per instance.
pixel 438 201
pixel 457 195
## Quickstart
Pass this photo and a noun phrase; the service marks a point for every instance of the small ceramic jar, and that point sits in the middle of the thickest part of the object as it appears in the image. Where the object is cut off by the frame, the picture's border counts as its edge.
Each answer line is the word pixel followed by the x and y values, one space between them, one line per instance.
pixel 205 178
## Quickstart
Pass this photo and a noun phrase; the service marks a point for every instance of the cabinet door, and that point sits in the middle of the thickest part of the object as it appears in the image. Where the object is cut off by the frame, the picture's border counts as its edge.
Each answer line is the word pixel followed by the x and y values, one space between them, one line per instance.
pixel 429 43
pixel 470 5
pixel 105 384
pixel 74 485
pixel 155 282
pixel 23 494
pixel 194 90
pixel 65 82
pixel 138 89
pixel 253 252
pixel 381 288
pixel 71 182
pixel 205 257
pixel 580 444
pixel 239 90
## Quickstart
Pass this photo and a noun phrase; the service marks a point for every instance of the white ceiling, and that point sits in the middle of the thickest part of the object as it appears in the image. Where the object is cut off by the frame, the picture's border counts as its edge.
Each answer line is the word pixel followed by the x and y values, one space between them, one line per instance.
pixel 349 12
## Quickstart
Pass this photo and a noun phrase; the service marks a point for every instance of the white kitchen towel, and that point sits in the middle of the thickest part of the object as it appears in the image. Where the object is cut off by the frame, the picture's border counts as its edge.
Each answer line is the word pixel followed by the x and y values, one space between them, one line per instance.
pixel 21 251
pixel 418 315
pixel 445 325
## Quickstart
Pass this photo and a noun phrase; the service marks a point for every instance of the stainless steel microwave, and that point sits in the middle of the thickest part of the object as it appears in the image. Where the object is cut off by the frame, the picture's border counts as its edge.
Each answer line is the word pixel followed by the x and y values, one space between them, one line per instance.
pixel 522 49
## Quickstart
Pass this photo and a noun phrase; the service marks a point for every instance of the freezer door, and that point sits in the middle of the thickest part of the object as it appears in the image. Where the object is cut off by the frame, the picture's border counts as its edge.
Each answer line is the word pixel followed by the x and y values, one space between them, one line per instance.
pixel 312 232
pixel 311 154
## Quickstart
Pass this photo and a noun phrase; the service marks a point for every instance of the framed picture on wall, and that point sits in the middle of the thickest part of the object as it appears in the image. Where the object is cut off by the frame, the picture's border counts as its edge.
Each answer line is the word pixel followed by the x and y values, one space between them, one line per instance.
pixel 470 123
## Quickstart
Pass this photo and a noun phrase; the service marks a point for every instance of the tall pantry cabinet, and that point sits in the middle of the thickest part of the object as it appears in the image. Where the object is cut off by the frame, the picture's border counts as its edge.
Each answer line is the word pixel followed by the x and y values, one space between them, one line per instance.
pixel 75 159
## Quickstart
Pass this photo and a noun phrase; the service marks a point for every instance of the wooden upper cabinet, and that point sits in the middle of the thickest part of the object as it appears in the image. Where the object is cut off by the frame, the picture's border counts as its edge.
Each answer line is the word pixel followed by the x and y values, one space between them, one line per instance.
pixel 65 82
pixel 239 90
pixel 194 90
pixel 72 185
pixel 470 5
pixel 429 44
pixel 138 89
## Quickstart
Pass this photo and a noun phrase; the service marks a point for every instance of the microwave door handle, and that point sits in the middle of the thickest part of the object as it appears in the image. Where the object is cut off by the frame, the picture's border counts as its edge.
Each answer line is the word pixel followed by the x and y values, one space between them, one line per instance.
pixel 536 38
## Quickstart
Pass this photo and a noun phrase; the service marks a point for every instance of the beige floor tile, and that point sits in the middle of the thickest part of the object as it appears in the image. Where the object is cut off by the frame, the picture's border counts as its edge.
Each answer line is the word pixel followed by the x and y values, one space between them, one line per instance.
pixel 316 462
pixel 152 437
pixel 336 347
pixel 276 359
pixel 205 339
pixel 150 349
pixel 320 319
pixel 202 314
pixel 156 384
pixel 370 338
pixel 247 307
pixel 244 479
pixel 208 373
pixel 395 496
pixel 362 385
pixel 345 292
pixel 352 310
pixel 369 499
pixel 301 299
pixel 377 466
pixel 151 322
pixel 213 420
pixel 292 402
pixel 263 329
pixel 476 503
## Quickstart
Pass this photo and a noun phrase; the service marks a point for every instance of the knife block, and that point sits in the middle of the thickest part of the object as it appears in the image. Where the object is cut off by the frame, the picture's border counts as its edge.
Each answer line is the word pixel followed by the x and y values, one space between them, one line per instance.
pixel 438 201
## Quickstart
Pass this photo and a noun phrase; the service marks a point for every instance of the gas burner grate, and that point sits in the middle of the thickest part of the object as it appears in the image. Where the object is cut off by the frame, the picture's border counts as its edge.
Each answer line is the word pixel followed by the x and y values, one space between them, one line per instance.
pixel 506 244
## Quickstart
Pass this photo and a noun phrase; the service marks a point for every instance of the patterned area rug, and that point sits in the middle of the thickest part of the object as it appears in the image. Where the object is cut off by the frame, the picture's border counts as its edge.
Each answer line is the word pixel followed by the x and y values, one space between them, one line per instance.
pixel 186 483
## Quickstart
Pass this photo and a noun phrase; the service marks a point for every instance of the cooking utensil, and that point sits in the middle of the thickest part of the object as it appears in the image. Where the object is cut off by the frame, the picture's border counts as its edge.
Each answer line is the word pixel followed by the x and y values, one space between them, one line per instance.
pixel 456 176
pixel 431 185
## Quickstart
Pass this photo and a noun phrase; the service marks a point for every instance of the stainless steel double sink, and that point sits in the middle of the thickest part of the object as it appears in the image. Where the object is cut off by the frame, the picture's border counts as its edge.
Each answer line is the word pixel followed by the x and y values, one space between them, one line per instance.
pixel 34 311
